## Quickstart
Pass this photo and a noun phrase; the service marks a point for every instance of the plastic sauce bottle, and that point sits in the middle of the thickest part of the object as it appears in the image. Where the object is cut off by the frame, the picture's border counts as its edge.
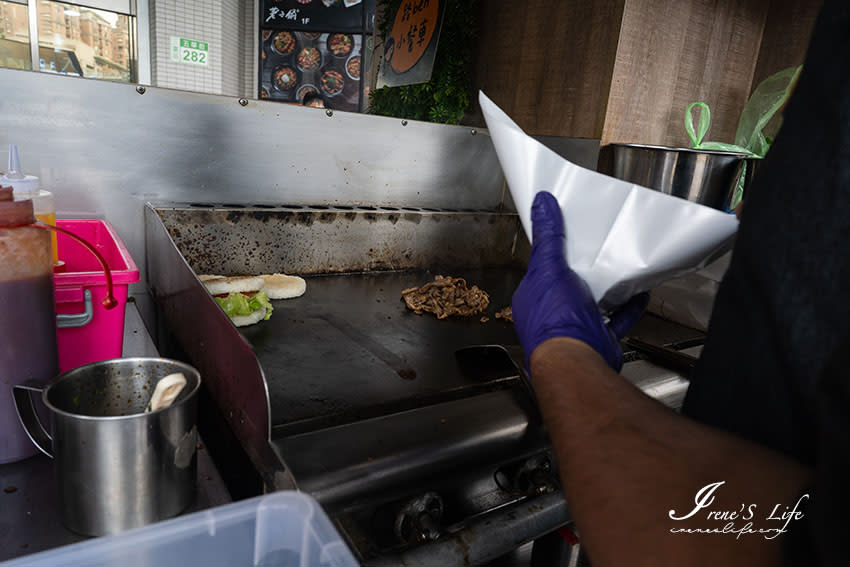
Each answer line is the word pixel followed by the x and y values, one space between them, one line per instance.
pixel 28 187
pixel 27 316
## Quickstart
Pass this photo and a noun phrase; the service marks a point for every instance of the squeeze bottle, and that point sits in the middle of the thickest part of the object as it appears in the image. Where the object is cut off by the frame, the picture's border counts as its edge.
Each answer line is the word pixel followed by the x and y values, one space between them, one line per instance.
pixel 28 187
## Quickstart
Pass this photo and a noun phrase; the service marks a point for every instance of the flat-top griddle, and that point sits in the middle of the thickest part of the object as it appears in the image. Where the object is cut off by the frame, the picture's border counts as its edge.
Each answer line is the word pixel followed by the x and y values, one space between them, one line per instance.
pixel 349 348
pixel 420 456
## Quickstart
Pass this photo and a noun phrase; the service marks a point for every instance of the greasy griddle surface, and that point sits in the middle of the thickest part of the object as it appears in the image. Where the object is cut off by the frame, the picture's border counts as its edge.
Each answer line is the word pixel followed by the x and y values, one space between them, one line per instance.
pixel 350 349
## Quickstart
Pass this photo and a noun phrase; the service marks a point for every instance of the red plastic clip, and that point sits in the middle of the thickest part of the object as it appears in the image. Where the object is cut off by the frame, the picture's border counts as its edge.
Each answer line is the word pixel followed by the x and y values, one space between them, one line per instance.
pixel 569 535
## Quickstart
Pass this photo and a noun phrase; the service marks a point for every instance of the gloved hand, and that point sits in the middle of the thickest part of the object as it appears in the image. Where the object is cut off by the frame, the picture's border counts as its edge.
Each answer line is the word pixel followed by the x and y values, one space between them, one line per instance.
pixel 553 301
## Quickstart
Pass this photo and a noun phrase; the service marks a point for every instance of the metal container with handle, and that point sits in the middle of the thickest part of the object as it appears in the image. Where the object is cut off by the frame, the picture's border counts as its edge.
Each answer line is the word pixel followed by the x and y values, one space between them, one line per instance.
pixel 28 320
pixel 701 176
pixel 117 467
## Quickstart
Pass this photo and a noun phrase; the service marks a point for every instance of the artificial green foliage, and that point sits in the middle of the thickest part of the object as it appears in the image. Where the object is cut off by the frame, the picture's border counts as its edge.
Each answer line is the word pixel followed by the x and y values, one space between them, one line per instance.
pixel 447 95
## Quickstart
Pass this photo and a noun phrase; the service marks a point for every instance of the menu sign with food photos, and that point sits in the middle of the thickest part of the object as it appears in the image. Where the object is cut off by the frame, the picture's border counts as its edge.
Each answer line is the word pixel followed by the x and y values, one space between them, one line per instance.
pixel 411 45
pixel 317 15
pixel 296 64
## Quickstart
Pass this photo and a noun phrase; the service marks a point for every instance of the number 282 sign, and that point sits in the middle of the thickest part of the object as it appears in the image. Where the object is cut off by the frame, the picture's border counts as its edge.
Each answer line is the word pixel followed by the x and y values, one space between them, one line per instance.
pixel 189 51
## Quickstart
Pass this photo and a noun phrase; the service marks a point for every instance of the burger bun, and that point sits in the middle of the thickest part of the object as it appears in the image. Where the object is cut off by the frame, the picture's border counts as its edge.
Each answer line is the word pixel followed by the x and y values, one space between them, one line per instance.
pixel 221 285
pixel 281 286
pixel 245 320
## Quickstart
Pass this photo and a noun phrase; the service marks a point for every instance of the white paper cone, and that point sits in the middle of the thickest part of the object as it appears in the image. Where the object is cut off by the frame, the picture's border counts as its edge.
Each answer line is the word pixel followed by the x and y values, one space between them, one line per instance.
pixel 621 238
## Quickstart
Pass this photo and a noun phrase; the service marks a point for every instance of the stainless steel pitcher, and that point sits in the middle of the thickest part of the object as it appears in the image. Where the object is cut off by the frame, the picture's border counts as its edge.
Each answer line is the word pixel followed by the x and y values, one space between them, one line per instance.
pixel 117 467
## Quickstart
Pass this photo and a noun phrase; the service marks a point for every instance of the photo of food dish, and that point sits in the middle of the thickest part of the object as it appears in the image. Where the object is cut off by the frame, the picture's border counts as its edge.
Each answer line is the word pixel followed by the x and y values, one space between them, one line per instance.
pixel 332 82
pixel 340 44
pixel 266 34
pixel 305 90
pixel 309 58
pixel 283 43
pixel 352 67
pixel 284 78
pixel 325 66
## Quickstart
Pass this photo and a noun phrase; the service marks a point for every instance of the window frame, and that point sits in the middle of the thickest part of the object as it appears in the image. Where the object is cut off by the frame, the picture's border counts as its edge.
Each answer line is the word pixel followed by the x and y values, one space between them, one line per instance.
pixel 123 7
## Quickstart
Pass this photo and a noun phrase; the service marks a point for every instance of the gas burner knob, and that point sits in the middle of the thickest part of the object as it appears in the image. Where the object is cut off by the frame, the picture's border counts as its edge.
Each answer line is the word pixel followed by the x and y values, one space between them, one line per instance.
pixel 418 520
pixel 533 476
pixel 536 476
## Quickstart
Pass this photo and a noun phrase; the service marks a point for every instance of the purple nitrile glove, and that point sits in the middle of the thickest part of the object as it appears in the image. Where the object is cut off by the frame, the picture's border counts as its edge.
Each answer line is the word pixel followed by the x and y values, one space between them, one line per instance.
pixel 553 301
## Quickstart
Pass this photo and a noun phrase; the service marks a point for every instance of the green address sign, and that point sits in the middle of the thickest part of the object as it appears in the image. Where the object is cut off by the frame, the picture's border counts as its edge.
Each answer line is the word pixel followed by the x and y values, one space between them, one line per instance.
pixel 190 51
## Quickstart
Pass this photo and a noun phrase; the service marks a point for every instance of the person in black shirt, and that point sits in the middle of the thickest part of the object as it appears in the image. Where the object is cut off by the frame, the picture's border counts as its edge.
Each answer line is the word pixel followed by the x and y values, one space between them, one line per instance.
pixel 753 472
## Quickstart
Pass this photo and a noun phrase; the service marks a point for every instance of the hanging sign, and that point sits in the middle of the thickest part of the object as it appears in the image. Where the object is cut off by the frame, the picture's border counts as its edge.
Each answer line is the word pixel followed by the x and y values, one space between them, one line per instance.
pixel 411 46
pixel 317 15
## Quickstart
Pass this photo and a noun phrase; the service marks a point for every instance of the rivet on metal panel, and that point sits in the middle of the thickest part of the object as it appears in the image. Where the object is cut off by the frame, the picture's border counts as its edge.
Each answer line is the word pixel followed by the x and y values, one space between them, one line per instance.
pixel 404 122
pixel 140 89
pixel 473 131
pixel 243 101
pixel 329 112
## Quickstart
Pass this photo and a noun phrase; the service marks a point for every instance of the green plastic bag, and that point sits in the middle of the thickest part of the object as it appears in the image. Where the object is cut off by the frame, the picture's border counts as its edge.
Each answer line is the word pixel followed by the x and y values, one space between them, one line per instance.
pixel 756 128
pixel 764 103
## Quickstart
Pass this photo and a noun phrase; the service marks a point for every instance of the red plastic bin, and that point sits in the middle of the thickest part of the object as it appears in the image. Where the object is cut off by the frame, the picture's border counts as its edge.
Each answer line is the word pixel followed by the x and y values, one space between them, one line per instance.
pixel 102 337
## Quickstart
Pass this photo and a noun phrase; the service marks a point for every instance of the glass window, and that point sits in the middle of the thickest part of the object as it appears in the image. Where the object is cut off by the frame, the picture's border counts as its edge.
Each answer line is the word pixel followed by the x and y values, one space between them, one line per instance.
pixel 14 35
pixel 74 39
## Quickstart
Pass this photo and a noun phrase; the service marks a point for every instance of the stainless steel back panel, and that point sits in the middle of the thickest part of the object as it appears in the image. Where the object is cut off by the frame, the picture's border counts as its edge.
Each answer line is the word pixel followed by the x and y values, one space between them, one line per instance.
pixel 233 240
pixel 104 149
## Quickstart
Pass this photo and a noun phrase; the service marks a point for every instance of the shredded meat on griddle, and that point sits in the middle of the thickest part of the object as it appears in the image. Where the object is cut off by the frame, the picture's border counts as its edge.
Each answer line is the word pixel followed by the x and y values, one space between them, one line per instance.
pixel 446 296
pixel 507 314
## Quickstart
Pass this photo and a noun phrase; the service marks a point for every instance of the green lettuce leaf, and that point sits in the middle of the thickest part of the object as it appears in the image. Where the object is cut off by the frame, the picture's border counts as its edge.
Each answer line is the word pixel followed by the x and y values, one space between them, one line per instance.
pixel 245 304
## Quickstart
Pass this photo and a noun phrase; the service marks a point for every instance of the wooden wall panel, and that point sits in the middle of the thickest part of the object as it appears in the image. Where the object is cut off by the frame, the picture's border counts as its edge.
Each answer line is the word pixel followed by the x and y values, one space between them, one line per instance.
pixel 786 36
pixel 672 53
pixel 625 70
pixel 548 63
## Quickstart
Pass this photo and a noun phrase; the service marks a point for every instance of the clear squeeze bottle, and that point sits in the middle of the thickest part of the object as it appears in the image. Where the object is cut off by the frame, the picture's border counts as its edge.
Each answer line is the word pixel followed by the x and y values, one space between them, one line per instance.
pixel 28 187
pixel 27 316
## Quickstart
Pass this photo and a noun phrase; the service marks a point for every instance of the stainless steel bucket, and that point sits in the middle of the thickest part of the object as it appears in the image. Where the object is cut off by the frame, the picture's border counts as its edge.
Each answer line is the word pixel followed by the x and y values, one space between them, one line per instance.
pixel 117 467
pixel 702 176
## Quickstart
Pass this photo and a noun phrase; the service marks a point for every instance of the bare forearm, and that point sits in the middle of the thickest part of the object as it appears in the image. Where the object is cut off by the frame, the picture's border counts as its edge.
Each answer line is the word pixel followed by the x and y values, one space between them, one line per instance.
pixel 627 460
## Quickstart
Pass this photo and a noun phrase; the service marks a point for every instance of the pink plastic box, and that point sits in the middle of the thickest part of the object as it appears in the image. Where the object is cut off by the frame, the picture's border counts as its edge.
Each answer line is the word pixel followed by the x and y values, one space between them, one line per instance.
pixel 101 337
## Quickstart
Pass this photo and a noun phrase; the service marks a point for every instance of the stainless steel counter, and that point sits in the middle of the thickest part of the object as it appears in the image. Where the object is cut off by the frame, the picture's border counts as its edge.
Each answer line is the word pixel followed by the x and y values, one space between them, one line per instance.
pixel 29 516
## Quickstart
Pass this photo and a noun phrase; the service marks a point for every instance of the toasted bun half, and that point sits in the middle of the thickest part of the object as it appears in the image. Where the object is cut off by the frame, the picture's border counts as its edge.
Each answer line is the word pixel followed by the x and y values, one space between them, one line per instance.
pixel 280 286
pixel 245 320
pixel 219 285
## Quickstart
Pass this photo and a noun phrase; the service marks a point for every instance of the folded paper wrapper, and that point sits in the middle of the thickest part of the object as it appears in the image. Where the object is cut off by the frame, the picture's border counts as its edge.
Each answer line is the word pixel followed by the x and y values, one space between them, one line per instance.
pixel 622 238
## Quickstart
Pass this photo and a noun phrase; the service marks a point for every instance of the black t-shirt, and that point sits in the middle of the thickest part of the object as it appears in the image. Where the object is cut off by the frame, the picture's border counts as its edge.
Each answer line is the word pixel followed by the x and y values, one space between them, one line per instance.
pixel 772 368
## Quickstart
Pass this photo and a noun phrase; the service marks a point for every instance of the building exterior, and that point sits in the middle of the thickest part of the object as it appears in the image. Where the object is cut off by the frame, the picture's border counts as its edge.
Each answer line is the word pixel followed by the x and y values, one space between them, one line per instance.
pixel 100 40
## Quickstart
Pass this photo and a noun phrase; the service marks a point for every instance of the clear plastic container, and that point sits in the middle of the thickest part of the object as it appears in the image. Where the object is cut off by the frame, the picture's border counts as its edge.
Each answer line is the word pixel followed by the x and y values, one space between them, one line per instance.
pixel 284 529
